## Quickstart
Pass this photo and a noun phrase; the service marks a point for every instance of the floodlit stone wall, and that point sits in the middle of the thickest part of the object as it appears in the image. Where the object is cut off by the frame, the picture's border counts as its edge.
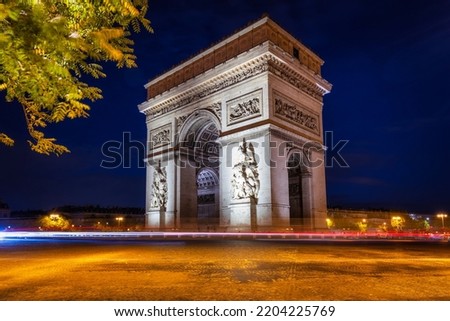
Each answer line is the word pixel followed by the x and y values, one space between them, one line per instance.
pixel 241 110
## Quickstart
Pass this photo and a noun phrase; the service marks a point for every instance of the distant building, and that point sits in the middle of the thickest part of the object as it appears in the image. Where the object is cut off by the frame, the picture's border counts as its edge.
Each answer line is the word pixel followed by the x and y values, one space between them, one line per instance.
pixel 102 217
pixel 5 212
pixel 80 217
pixel 345 218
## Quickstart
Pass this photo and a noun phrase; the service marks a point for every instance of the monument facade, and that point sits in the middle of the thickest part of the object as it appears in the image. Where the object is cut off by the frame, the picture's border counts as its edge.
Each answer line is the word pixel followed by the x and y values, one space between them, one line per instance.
pixel 235 137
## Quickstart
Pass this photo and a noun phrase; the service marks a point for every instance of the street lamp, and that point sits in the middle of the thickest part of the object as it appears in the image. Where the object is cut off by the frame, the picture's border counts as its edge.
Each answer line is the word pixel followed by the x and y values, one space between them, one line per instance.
pixel 119 219
pixel 442 216
pixel 329 223
pixel 54 217
pixel 397 222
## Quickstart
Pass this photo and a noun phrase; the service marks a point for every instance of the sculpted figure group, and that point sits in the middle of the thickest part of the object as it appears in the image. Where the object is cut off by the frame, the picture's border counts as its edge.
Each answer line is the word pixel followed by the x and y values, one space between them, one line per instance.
pixel 245 179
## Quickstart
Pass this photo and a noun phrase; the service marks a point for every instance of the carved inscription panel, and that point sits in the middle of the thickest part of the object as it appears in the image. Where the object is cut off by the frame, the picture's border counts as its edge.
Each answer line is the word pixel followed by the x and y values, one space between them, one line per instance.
pixel 294 113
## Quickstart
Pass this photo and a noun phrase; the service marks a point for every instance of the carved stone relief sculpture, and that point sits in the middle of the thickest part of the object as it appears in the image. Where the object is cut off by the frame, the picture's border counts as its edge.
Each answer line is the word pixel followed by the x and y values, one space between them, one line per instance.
pixel 159 188
pixel 160 137
pixel 216 108
pixel 233 77
pixel 293 113
pixel 245 179
pixel 246 107
pixel 179 121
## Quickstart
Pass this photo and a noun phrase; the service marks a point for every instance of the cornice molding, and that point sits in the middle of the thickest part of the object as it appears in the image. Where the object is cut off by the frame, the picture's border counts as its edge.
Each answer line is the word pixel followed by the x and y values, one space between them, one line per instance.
pixel 296 79
pixel 245 71
pixel 265 62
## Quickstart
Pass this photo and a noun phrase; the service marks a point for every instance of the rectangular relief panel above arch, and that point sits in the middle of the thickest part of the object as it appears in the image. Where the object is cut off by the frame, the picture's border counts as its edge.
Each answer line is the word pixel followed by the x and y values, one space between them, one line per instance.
pixel 160 136
pixel 295 113
pixel 244 107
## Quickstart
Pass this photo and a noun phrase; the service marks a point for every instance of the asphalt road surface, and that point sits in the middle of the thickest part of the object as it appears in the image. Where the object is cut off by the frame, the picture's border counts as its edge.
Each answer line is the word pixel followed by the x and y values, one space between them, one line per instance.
pixel 223 270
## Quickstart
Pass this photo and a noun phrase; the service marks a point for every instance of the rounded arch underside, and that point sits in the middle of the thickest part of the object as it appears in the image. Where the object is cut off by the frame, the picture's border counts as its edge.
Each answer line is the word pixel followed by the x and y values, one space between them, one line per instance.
pixel 200 126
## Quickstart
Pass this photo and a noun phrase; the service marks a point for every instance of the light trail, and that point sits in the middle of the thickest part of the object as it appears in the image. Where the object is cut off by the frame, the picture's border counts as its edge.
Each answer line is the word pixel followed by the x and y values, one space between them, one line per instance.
pixel 316 236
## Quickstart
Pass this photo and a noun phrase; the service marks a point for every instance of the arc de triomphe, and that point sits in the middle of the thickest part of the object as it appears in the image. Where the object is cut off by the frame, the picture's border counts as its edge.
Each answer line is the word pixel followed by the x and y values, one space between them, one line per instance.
pixel 235 137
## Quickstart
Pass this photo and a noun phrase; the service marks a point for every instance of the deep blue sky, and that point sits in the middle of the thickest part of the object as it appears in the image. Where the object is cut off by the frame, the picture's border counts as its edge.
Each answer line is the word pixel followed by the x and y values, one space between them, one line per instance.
pixel 388 61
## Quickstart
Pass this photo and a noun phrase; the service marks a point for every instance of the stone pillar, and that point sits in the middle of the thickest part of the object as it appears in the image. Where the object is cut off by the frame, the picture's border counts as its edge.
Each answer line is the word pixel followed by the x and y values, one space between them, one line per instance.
pixel 216 206
pixel 155 219
pixel 157 196
pixel 240 185
pixel 319 201
pixel 243 215
pixel 225 184
pixel 187 194
pixel 279 183
pixel 169 218
pixel 306 181
pixel 150 221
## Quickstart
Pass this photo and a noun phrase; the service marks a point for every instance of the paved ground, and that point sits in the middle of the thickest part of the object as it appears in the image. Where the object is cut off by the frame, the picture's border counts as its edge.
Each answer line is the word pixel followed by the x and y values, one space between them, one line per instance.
pixel 223 270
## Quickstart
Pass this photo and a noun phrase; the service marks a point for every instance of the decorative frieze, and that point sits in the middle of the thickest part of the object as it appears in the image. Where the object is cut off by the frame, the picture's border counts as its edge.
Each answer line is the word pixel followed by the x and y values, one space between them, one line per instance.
pixel 244 107
pixel 160 136
pixel 179 121
pixel 244 72
pixel 292 112
pixel 216 108
pixel 159 187
pixel 266 62
pixel 245 179
pixel 286 73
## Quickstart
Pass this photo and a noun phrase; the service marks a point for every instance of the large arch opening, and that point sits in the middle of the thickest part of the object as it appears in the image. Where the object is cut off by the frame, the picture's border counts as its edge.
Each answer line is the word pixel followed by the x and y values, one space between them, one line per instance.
pixel 201 151
pixel 296 191
pixel 208 210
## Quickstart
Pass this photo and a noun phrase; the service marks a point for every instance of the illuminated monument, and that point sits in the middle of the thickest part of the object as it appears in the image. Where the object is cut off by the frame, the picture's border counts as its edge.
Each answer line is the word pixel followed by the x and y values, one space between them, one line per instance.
pixel 235 138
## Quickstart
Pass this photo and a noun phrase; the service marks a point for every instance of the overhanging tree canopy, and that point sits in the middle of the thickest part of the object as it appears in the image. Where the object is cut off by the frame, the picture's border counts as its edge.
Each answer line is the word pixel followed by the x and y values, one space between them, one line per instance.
pixel 47 45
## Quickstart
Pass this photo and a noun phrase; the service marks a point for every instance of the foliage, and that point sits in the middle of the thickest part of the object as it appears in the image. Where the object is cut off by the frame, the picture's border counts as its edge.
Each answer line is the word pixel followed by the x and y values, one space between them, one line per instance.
pixel 54 222
pixel 47 46
pixel 383 227
pixel 330 223
pixel 362 226
pixel 397 223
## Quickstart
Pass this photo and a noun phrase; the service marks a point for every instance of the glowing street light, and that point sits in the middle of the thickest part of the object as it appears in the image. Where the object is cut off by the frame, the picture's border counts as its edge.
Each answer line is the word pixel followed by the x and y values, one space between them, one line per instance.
pixel 54 221
pixel 329 223
pixel 442 216
pixel 54 217
pixel 119 220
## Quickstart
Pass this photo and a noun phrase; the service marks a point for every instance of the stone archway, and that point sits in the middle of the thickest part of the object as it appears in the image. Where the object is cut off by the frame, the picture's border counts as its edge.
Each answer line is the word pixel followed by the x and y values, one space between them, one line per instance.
pixel 198 160
pixel 223 117
pixel 208 199
pixel 299 190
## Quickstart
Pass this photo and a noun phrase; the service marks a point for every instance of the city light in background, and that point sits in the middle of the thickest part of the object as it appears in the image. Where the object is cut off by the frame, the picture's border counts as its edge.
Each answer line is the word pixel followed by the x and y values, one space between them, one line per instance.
pixel 119 220
pixel 442 216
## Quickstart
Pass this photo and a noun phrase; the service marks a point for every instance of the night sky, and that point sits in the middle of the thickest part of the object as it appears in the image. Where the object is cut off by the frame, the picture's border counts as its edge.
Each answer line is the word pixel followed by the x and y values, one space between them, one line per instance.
pixel 388 62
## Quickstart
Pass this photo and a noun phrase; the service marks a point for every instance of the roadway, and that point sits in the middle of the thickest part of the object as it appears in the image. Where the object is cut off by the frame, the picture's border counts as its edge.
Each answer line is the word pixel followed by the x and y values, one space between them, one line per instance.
pixel 222 269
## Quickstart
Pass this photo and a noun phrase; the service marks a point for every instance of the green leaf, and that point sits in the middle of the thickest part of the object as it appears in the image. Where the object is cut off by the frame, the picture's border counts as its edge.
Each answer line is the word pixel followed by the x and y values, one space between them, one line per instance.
pixel 55 43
